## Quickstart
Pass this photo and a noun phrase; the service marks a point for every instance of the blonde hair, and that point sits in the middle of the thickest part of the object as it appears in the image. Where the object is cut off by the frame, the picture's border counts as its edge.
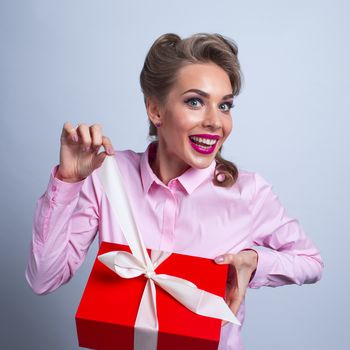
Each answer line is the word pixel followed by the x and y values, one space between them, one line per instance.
pixel 168 54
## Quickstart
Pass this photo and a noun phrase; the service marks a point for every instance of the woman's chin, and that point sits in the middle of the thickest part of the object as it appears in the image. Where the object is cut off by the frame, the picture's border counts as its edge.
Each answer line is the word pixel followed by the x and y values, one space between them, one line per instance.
pixel 202 163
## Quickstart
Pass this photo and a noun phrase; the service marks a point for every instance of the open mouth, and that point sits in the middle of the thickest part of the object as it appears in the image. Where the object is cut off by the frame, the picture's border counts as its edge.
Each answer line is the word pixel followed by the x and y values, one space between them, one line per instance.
pixel 203 145
pixel 202 142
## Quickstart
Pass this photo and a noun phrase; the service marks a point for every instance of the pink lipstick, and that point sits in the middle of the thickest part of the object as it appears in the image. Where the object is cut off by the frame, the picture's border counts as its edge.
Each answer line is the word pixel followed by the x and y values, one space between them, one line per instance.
pixel 202 147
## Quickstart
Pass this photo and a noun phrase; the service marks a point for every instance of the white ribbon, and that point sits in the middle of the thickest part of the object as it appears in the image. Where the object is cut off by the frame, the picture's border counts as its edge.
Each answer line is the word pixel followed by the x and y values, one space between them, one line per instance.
pixel 133 265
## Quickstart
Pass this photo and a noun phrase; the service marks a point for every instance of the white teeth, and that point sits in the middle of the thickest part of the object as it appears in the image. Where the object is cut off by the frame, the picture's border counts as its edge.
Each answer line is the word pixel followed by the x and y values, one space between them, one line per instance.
pixel 208 142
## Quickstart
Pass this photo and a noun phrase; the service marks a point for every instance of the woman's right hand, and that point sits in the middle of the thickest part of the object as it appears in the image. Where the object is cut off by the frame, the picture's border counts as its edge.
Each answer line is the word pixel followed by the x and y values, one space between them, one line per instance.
pixel 79 155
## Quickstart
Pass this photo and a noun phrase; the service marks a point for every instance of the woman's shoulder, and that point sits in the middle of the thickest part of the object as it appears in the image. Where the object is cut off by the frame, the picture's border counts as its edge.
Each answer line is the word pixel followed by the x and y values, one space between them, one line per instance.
pixel 247 177
pixel 249 182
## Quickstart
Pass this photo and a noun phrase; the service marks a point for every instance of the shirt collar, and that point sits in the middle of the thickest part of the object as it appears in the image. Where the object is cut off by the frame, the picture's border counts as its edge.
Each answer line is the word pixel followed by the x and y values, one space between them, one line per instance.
pixel 189 180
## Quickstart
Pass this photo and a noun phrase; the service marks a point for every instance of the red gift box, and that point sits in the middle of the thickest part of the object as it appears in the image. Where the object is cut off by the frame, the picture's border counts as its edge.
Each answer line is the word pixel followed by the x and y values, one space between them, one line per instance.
pixel 107 311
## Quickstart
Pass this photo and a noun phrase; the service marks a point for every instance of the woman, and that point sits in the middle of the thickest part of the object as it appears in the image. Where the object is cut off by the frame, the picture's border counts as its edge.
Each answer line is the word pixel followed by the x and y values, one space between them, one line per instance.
pixel 185 197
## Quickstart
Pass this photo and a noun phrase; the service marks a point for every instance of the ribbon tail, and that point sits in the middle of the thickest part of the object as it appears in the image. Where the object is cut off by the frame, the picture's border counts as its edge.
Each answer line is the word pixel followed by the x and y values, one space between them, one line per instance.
pixel 146 324
pixel 112 182
pixel 197 300
pixel 214 306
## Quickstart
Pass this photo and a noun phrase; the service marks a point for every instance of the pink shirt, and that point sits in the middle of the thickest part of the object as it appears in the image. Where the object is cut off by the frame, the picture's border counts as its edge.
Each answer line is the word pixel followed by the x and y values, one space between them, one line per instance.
pixel 189 216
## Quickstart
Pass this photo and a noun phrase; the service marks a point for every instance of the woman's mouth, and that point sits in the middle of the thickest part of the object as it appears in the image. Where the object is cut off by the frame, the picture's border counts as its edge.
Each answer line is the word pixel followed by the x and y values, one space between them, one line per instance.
pixel 203 145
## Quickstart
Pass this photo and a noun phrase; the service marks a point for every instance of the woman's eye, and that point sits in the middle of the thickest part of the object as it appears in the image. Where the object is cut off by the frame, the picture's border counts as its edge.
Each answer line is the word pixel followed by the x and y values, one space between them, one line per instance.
pixel 226 106
pixel 194 102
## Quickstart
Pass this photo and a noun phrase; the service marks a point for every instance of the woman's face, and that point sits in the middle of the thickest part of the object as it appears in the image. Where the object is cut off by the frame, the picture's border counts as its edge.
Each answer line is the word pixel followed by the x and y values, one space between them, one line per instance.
pixel 196 118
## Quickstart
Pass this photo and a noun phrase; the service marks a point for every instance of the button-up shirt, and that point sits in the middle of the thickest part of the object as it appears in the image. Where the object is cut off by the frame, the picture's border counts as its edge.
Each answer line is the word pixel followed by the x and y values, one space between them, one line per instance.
pixel 190 216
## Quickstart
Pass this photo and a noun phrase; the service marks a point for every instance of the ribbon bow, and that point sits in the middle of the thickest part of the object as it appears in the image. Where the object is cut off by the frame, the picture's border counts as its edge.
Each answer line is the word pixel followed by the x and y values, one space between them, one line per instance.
pixel 139 263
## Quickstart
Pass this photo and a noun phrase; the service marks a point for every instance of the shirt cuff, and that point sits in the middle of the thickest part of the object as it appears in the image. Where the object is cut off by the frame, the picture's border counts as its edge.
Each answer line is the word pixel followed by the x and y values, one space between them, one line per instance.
pixel 62 192
pixel 265 265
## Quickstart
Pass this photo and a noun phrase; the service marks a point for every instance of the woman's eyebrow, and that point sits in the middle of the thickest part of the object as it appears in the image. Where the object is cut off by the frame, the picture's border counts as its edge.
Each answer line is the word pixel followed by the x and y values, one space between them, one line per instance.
pixel 205 94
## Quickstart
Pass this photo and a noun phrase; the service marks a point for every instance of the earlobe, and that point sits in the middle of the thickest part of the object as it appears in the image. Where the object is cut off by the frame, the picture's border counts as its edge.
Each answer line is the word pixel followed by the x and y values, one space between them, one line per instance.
pixel 153 112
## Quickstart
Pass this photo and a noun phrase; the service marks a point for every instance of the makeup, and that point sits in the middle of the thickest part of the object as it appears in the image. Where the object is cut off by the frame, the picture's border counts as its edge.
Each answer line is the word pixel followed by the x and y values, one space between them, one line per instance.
pixel 201 147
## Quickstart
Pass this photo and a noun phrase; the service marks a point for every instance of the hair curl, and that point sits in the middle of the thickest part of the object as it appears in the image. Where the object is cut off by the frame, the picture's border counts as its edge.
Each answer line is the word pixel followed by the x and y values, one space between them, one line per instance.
pixel 168 54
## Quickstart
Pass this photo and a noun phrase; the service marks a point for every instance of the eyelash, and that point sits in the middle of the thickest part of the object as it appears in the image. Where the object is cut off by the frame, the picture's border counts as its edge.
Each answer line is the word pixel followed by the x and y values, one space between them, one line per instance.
pixel 229 104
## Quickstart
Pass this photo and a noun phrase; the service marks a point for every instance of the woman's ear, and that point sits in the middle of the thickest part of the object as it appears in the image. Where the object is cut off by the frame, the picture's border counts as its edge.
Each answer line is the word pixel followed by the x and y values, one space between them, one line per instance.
pixel 153 111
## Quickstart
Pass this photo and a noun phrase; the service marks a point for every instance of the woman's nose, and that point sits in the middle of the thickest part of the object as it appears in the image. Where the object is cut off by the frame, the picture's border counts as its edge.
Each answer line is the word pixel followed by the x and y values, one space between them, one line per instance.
pixel 212 119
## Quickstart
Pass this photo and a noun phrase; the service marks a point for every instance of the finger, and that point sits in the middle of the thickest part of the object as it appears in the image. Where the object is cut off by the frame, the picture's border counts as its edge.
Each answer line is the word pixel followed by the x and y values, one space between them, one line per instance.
pixel 69 131
pixel 99 160
pixel 106 142
pixel 224 259
pixel 84 133
pixel 96 136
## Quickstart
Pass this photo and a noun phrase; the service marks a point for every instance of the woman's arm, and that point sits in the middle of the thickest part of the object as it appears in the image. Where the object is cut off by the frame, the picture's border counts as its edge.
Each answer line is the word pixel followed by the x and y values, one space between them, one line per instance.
pixel 65 225
pixel 291 257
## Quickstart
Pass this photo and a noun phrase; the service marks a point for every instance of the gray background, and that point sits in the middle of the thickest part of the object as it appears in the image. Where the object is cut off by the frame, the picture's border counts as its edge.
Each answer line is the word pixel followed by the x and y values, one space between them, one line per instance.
pixel 80 61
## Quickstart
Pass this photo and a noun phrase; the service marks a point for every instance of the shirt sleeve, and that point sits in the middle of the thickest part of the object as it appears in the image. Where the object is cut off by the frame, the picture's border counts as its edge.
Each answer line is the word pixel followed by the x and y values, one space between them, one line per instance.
pixel 290 257
pixel 65 224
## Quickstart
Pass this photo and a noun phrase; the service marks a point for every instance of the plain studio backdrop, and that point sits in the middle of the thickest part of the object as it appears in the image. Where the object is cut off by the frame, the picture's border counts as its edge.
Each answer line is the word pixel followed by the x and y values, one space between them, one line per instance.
pixel 80 61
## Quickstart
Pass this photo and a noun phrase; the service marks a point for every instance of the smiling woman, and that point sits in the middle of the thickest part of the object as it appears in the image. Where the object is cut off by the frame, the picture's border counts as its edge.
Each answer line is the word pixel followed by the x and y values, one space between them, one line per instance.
pixel 194 80
pixel 185 197
pixel 192 124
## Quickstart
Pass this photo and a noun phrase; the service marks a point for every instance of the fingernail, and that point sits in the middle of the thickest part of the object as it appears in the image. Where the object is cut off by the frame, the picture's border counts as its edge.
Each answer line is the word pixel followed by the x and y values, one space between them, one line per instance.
pixel 219 259
pixel 75 138
pixel 110 150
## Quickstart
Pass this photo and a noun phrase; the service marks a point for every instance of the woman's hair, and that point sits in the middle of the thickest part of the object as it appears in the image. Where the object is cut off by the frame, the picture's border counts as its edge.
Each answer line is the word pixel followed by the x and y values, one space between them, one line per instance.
pixel 168 54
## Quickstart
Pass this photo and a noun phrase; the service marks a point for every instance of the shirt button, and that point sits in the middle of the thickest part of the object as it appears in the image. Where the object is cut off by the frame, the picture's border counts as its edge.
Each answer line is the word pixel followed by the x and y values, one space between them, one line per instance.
pixel 171 184
pixel 54 188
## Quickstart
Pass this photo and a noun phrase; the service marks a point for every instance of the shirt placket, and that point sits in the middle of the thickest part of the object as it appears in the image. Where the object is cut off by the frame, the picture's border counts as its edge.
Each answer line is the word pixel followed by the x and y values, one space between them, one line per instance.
pixel 169 218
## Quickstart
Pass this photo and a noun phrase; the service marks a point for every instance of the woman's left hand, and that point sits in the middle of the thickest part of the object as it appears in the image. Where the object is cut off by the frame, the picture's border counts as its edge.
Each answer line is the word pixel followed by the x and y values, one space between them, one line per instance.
pixel 241 267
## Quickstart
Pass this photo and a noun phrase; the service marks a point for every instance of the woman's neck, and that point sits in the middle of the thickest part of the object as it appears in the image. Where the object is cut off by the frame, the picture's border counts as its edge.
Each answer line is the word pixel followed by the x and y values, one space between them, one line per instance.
pixel 166 166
